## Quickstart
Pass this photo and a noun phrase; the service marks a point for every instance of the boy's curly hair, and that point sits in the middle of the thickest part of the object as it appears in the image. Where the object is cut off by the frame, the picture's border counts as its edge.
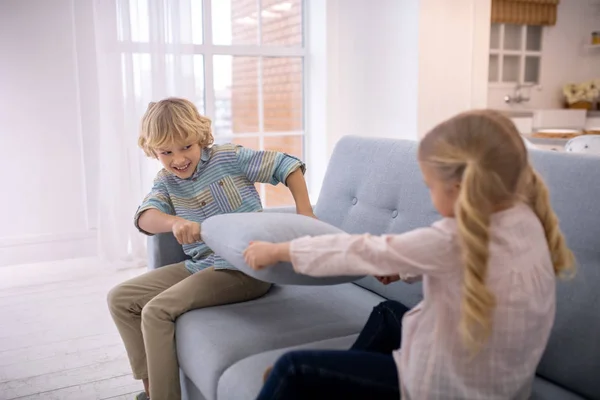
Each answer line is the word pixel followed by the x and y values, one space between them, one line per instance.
pixel 173 120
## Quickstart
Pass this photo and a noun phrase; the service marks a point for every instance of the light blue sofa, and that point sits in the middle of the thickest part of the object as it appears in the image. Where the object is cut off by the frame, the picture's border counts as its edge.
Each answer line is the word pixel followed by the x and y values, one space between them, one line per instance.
pixel 374 185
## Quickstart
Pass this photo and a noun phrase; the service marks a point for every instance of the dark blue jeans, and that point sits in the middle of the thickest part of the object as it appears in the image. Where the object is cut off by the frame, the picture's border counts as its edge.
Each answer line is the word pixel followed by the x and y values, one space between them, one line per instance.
pixel 366 371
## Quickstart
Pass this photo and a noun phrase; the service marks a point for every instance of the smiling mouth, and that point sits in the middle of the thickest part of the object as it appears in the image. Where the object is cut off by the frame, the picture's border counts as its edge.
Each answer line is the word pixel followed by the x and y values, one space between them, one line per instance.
pixel 183 168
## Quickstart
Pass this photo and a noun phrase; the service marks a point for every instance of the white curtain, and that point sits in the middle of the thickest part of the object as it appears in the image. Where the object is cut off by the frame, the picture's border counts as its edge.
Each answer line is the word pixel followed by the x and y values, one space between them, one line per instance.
pixel 144 53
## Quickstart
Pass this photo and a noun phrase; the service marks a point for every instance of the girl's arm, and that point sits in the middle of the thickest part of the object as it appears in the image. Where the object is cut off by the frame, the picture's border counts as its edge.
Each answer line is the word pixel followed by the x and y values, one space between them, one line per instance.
pixel 425 251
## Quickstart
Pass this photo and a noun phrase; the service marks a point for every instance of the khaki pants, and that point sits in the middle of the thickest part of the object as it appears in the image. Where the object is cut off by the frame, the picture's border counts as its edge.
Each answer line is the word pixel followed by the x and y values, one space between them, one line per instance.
pixel 145 309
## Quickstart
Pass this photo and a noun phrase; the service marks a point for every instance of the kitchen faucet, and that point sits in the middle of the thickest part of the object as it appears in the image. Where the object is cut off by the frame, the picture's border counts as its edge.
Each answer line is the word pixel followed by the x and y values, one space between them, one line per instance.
pixel 518 96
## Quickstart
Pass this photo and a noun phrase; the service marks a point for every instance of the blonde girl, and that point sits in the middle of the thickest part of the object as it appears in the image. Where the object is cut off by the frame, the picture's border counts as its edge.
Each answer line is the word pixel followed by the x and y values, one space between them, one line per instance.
pixel 489 270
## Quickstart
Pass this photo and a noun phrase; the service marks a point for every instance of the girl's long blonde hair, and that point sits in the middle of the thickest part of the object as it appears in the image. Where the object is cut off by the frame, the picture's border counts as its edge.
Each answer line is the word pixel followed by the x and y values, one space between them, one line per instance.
pixel 485 154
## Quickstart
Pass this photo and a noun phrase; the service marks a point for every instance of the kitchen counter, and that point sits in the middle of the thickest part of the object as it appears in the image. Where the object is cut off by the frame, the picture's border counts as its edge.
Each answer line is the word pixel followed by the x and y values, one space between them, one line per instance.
pixel 593 114
pixel 516 114
pixel 532 120
pixel 529 113
pixel 545 143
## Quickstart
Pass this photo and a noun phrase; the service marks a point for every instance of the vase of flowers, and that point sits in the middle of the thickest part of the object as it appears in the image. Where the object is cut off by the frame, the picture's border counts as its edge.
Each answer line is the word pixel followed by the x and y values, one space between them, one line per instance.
pixel 583 95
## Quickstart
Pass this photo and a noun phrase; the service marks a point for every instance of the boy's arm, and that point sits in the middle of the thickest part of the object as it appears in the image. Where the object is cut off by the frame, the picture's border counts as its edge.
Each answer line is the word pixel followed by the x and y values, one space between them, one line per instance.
pixel 157 215
pixel 154 221
pixel 275 167
pixel 297 185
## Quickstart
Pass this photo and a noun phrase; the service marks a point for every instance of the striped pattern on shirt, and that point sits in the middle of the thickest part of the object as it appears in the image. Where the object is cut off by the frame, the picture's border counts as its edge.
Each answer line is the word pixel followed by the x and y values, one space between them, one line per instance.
pixel 222 183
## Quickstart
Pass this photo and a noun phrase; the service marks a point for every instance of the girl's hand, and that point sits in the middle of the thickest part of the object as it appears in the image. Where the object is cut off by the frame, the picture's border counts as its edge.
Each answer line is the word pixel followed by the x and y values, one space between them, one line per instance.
pixel 260 255
pixel 386 280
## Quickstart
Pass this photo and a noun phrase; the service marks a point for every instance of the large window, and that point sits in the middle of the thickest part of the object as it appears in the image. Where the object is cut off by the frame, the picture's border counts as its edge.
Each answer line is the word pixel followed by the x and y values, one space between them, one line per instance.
pixel 240 61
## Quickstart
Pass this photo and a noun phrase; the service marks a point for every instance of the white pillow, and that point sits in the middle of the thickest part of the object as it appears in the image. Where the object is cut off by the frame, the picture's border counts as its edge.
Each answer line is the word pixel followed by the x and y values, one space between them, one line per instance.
pixel 228 235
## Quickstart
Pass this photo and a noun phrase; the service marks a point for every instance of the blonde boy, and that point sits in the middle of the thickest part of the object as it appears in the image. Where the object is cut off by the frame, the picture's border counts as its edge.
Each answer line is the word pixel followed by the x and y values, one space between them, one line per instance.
pixel 199 180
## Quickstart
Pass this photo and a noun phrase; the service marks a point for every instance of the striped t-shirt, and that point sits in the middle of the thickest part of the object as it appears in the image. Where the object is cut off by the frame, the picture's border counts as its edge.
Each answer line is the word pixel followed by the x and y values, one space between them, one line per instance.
pixel 222 183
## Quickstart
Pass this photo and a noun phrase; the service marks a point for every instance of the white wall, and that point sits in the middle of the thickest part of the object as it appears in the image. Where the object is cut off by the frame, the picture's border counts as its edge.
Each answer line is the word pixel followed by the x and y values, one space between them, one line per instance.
pixel 363 74
pixel 87 75
pixel 372 70
pixel 398 68
pixel 453 58
pixel 44 193
pixel 564 58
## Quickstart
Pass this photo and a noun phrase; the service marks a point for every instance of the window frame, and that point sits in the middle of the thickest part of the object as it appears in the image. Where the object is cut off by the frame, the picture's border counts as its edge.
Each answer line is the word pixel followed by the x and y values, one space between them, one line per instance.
pixel 522 53
pixel 207 49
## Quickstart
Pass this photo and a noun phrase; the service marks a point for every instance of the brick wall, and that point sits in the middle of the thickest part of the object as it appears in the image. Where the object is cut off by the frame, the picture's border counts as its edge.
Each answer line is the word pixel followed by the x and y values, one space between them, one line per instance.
pixel 282 82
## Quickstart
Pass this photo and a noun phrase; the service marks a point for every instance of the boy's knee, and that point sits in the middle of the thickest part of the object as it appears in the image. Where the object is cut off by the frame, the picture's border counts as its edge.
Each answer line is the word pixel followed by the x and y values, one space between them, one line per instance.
pixel 148 312
pixel 153 311
pixel 115 297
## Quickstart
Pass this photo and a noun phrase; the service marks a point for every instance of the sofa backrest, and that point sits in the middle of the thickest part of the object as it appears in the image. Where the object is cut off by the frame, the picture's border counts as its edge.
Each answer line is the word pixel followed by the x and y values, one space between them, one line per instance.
pixel 375 186
pixel 572 358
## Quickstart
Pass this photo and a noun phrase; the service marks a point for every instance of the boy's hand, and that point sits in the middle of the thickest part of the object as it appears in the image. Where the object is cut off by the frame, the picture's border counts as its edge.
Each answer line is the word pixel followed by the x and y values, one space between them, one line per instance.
pixel 186 232
pixel 260 255
pixel 386 280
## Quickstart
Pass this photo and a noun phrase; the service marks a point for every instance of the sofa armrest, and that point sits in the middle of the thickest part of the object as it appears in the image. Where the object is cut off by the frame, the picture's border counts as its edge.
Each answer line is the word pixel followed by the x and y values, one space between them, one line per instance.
pixel 163 249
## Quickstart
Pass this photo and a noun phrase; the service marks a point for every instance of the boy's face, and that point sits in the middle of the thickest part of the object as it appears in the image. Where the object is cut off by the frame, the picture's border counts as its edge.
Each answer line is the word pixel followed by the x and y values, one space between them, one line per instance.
pixel 180 159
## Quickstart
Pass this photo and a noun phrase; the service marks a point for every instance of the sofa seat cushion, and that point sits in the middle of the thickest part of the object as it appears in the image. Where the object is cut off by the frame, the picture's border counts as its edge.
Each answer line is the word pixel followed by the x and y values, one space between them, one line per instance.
pixel 211 340
pixel 244 379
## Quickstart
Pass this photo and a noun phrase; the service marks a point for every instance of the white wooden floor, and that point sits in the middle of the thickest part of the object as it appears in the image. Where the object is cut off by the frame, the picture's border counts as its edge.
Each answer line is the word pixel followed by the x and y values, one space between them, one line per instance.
pixel 57 339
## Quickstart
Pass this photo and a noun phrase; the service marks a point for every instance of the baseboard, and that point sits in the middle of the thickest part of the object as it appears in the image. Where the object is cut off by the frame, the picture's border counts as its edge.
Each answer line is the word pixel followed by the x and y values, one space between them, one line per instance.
pixel 47 247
